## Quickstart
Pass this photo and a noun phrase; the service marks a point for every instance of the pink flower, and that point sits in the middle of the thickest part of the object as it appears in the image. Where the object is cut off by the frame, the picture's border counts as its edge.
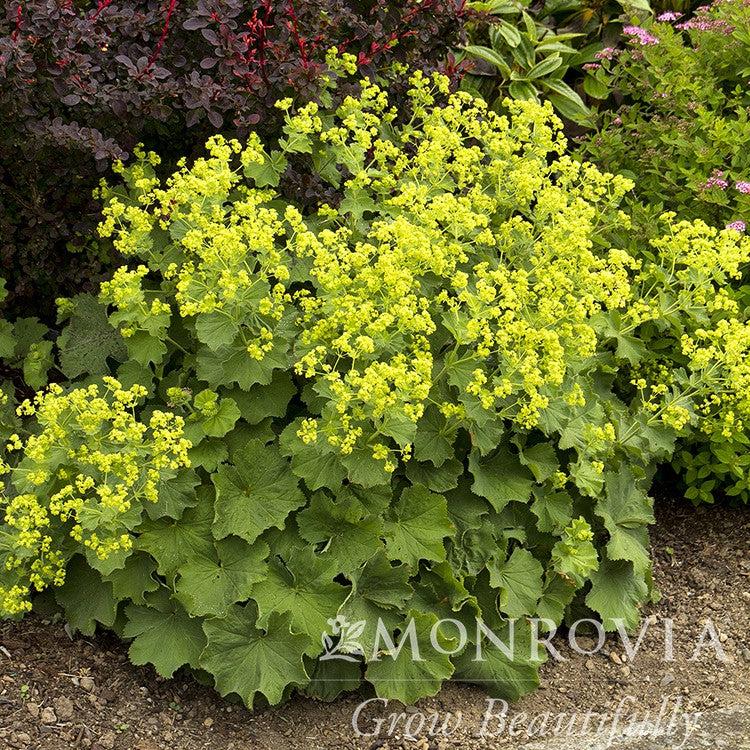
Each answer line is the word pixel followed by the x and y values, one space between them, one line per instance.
pixel 591 66
pixel 743 186
pixel 738 226
pixel 669 15
pixel 644 38
pixel 701 24
pixel 716 180
pixel 606 54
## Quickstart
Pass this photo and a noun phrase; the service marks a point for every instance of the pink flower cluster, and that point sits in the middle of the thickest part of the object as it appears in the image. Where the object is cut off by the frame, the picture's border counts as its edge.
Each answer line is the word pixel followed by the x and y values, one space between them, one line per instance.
pixel 716 180
pixel 706 24
pixel 606 54
pixel 669 15
pixel 738 226
pixel 645 39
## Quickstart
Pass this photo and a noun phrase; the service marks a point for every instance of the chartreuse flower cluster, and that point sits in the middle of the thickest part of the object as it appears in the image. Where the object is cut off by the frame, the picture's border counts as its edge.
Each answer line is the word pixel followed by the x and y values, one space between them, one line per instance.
pixel 432 396
pixel 696 379
pixel 78 483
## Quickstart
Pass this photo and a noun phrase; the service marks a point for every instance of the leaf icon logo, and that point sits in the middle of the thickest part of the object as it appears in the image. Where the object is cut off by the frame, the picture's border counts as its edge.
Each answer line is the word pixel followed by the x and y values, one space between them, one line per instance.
pixel 347 647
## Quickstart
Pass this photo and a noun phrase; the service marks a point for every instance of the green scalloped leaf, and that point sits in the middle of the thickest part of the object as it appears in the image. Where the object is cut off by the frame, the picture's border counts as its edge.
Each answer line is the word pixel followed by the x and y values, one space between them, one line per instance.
pixel 257 493
pixel 208 585
pixel 86 598
pixel 500 675
pixel 626 511
pixel 135 580
pixel 318 468
pixel 501 479
pixel 416 526
pixel 89 340
pixel 304 588
pixel 617 593
pixel 519 579
pixel 247 660
pixel 404 677
pixel 166 637
pixel 349 533
pixel 172 542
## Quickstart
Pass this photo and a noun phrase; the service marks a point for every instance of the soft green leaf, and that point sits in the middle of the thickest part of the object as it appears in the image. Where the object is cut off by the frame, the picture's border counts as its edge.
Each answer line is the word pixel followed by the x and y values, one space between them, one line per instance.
pixel 310 462
pixel 379 591
pixel 207 585
pixel 248 660
pixel 255 493
pixel 501 479
pixel 617 593
pixel 89 340
pixel 86 598
pixel 174 541
pixel 135 579
pixel 416 526
pixel 166 637
pixel 349 533
pixel 519 579
pixel 215 329
pixel 399 675
pixel 500 675
pixel 304 588
pixel 626 511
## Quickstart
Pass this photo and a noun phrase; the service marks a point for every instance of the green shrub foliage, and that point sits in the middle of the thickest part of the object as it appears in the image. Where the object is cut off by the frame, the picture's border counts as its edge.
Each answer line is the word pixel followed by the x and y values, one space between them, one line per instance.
pixel 430 398
pixel 680 122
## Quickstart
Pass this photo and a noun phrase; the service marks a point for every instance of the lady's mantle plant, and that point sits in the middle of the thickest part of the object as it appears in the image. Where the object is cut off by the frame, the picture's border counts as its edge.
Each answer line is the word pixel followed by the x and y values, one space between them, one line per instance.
pixel 427 399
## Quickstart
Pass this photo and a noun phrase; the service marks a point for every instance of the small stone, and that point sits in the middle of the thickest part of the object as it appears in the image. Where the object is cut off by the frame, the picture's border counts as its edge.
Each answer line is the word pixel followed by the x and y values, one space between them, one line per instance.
pixel 208 723
pixel 625 671
pixel 22 738
pixel 49 716
pixel 668 679
pixel 33 709
pixel 107 740
pixel 590 665
pixel 615 657
pixel 746 654
pixel 64 708
pixel 87 684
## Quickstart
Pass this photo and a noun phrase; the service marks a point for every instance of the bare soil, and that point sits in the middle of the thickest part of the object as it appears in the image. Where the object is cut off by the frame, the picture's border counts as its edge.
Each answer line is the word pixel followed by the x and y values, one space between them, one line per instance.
pixel 59 693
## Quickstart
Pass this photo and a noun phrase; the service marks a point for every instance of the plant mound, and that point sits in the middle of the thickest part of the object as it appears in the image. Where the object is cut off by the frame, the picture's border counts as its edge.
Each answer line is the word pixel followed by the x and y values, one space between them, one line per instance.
pixel 314 431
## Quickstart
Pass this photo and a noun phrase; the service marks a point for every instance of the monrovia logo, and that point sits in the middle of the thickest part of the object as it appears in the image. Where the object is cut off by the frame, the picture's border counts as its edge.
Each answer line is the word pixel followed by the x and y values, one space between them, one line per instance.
pixel 344 639
pixel 346 646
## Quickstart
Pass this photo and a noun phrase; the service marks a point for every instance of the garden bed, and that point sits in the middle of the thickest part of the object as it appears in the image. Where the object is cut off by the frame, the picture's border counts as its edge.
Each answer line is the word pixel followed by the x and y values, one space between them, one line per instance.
pixel 99 700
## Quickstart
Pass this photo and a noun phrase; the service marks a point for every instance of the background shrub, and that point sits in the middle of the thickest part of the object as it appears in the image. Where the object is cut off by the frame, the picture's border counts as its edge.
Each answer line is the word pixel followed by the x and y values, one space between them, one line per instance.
pixel 679 121
pixel 81 83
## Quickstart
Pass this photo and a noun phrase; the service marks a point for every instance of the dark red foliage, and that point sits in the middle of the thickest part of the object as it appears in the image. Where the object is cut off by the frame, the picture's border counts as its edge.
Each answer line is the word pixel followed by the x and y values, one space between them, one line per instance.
pixel 82 82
